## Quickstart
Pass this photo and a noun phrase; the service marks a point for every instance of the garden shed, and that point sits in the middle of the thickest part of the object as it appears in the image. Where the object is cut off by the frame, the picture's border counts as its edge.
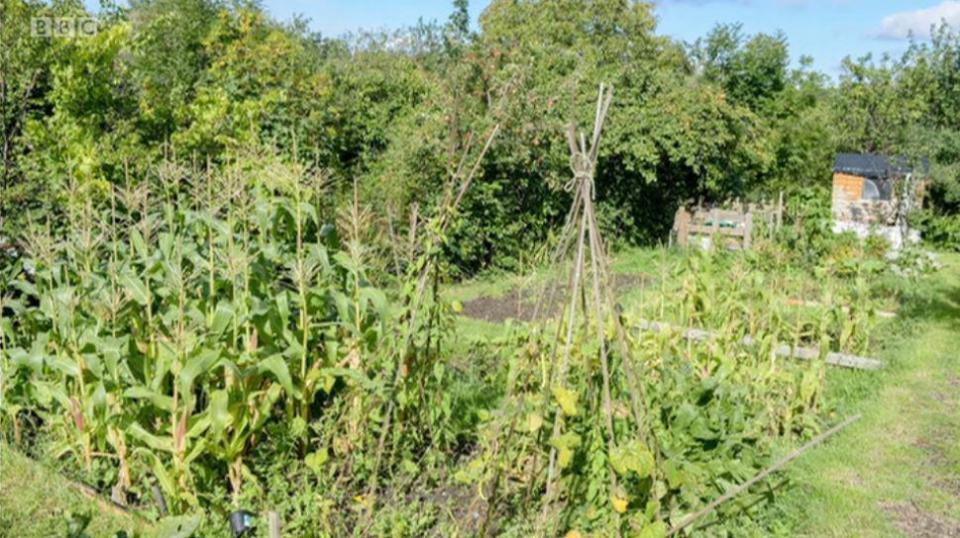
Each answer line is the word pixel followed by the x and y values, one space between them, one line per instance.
pixel 875 193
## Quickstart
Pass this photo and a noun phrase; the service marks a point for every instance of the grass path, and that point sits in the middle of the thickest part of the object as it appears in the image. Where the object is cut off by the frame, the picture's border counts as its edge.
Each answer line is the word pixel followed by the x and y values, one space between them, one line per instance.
pixel 897 471
pixel 37 502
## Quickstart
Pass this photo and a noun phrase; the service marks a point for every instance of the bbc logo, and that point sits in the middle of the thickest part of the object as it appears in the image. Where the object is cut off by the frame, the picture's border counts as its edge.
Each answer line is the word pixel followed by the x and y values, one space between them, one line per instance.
pixel 63 26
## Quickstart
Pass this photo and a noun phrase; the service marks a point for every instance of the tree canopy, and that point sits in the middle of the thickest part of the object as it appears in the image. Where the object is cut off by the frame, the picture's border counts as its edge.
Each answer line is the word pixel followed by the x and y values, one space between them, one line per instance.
pixel 727 116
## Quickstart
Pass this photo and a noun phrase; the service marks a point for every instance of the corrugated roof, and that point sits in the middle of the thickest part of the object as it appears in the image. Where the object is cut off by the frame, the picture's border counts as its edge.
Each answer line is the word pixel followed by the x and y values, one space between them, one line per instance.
pixel 876 166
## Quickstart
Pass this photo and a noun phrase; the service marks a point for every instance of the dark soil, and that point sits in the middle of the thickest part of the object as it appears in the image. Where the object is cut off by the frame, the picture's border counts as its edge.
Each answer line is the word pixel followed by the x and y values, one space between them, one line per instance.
pixel 521 303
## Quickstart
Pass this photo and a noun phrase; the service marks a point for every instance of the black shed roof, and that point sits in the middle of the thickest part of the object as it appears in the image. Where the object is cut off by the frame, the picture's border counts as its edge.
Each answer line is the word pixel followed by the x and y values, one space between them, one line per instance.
pixel 876 166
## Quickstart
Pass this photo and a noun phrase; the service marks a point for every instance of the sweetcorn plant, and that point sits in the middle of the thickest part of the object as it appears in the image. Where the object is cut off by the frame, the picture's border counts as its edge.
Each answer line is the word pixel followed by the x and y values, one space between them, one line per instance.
pixel 172 319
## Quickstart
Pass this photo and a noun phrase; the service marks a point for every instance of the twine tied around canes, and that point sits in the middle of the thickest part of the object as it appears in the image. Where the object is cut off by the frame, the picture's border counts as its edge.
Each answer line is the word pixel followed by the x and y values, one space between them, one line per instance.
pixel 583 171
pixel 583 158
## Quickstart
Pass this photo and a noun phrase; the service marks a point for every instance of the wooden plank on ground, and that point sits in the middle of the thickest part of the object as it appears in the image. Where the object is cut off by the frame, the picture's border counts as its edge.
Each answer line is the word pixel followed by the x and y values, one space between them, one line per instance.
pixel 711 230
pixel 782 350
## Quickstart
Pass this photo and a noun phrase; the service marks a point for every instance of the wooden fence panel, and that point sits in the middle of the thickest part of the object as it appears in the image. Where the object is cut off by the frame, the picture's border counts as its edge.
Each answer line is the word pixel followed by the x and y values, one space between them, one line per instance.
pixel 734 228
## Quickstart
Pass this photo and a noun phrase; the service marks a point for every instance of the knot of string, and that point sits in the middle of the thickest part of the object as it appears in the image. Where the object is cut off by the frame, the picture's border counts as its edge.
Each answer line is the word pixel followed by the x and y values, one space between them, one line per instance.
pixel 582 171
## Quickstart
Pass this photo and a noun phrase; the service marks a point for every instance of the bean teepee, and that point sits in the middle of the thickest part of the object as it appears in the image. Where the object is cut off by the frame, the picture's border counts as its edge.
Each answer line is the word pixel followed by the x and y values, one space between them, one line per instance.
pixel 589 301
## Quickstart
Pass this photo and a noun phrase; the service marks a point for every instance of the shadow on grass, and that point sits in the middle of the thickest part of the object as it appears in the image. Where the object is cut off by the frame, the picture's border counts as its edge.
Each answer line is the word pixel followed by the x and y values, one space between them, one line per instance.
pixel 932 300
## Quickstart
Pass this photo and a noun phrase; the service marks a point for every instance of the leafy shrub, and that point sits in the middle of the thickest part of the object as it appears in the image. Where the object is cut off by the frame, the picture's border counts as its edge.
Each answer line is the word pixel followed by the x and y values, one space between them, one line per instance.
pixel 940 231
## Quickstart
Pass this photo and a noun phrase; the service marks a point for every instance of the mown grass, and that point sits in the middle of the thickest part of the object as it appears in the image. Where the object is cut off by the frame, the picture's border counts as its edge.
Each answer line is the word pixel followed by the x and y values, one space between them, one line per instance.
pixel 37 502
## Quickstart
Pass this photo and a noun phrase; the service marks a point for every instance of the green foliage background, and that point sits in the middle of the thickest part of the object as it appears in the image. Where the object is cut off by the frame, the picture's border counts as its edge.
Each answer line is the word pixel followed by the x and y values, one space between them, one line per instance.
pixel 723 117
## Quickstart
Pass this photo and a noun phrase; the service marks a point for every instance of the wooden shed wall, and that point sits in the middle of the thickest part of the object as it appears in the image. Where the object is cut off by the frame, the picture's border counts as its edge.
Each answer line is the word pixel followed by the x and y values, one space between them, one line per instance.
pixel 847 188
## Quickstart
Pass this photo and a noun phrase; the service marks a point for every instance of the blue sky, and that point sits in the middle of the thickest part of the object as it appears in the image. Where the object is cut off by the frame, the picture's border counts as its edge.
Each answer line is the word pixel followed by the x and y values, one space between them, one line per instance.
pixel 827 30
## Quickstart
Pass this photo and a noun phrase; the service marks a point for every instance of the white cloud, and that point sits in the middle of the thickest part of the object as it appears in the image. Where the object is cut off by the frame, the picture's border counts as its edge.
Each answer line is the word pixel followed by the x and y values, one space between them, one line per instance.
pixel 918 22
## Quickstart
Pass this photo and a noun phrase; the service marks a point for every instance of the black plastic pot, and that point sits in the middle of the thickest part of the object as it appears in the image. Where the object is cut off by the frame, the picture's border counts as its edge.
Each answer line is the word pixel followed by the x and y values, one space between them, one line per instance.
pixel 241 523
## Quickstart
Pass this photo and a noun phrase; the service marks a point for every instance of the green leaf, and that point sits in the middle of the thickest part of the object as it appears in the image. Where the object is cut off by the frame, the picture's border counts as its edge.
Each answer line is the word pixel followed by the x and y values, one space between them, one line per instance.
pixel 567 399
pixel 197 449
pixel 139 245
pixel 177 526
pixel 534 422
pixel 316 460
pixel 674 475
pixel 654 530
pixel 565 445
pixel 809 384
pixel 197 366
pixel 160 401
pixel 135 288
pixel 633 456
pixel 276 365
pixel 94 364
pixel 164 480
pixel 298 427
pixel 376 298
pixel 222 317
pixel 155 442
pixel 66 366
pixel 197 426
pixel 700 429
pixel 351 375
pixel 342 302
pixel 20 357
pixel 220 418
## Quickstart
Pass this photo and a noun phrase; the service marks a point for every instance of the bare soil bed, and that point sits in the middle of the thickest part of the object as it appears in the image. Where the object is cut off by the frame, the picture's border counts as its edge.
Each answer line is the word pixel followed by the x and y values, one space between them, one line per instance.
pixel 521 303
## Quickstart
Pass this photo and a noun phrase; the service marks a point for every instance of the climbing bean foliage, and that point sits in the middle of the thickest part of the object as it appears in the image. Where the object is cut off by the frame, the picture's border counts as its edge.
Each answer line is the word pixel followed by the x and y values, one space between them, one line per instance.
pixel 711 412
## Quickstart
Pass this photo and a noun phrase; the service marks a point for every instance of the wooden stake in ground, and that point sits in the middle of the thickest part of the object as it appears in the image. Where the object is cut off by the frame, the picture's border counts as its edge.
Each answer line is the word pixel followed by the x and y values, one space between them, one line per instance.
pixel 273 524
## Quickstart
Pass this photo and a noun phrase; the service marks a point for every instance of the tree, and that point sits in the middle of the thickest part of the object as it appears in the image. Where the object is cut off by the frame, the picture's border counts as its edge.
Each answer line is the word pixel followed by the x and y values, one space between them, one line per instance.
pixel 24 79
pixel 752 71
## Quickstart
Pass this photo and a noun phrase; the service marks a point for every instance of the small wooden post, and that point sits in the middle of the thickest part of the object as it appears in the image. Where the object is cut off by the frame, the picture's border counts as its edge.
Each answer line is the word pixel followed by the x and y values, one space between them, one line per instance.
pixel 780 211
pixel 683 226
pixel 273 524
pixel 158 497
pixel 747 230
pixel 716 228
